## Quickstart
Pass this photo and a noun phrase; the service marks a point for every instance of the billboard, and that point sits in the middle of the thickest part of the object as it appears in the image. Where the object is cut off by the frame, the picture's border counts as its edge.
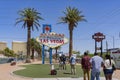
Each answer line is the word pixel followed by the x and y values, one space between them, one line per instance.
pixel 116 56
pixel 52 39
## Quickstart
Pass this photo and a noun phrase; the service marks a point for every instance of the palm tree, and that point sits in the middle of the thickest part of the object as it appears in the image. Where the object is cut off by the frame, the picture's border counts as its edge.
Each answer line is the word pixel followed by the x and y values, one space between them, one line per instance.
pixel 32 43
pixel 35 46
pixel 56 51
pixel 30 18
pixel 72 17
pixel 38 49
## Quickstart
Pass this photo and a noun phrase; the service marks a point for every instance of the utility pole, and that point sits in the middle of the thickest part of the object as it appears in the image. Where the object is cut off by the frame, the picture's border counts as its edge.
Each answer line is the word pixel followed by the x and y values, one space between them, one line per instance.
pixel 106 47
pixel 113 42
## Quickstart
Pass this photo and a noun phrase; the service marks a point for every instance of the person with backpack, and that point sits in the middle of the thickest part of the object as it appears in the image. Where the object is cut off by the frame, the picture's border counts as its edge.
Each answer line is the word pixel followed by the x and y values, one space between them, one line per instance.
pixel 85 63
pixel 62 62
pixel 72 64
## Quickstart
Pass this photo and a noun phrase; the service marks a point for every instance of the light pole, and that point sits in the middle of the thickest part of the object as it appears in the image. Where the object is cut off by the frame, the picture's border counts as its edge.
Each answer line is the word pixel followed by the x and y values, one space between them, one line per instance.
pixel 113 42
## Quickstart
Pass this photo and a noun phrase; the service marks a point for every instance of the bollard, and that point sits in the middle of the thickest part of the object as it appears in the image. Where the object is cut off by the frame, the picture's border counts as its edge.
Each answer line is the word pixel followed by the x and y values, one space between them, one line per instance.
pixel 52 67
pixel 53 71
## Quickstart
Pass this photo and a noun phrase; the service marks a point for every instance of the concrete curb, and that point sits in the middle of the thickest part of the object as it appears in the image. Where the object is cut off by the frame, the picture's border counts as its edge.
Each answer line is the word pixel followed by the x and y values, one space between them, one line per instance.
pixel 101 78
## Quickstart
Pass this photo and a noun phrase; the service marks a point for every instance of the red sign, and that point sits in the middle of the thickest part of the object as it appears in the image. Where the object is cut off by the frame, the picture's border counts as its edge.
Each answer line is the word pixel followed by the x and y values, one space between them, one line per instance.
pixel 98 36
pixel 47 28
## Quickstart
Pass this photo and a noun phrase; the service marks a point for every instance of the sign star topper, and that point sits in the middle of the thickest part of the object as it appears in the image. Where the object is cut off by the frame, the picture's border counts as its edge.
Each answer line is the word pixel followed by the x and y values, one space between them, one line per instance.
pixel 47 28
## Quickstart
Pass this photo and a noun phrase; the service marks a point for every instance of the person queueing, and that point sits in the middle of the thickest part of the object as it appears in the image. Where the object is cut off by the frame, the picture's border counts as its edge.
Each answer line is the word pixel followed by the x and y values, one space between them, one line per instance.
pixel 108 71
pixel 85 63
pixel 96 64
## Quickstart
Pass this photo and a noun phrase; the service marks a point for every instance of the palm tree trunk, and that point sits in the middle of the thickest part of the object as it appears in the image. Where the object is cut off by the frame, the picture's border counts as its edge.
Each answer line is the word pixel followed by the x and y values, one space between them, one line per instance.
pixel 32 54
pixel 39 55
pixel 56 53
pixel 71 40
pixel 28 44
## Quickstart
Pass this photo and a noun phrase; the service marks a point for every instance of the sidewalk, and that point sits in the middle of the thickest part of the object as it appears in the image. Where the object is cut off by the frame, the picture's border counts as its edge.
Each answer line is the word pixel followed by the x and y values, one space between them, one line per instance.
pixel 102 78
pixel 6 74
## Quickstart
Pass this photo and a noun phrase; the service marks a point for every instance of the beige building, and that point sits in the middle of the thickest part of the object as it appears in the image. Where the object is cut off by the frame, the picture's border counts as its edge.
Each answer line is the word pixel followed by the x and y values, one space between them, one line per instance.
pixel 3 45
pixel 19 47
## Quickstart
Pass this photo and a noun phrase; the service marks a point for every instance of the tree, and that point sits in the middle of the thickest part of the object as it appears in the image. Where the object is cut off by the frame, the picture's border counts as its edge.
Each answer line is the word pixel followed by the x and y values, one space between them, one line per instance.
pixel 56 51
pixel 72 17
pixel 38 49
pixel 30 18
pixel 35 46
pixel 9 53
pixel 77 53
pixel 32 43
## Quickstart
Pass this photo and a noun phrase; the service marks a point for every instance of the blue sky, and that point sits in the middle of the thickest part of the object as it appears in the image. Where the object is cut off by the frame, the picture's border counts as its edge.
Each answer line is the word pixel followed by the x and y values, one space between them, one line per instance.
pixel 101 15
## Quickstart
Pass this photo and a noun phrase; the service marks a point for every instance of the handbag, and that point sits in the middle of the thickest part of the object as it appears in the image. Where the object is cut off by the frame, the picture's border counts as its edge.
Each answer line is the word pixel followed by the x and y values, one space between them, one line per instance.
pixel 113 67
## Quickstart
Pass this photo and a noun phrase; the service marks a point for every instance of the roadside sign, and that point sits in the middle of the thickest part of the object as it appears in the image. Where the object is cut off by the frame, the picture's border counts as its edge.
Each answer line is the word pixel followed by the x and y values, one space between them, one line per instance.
pixel 116 57
pixel 52 39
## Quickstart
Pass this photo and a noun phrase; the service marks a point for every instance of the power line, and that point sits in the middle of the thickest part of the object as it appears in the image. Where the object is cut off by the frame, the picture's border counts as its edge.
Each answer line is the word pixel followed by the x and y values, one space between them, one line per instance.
pixel 103 18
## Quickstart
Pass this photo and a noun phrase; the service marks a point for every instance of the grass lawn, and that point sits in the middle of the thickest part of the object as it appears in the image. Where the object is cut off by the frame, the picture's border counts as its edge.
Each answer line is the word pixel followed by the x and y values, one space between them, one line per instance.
pixel 43 71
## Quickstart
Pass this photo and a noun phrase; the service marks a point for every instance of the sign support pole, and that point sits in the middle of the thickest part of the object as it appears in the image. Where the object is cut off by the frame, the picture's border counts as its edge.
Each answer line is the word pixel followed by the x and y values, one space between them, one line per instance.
pixel 101 49
pixel 43 47
pixel 46 28
pixel 98 37
pixel 50 54
pixel 95 46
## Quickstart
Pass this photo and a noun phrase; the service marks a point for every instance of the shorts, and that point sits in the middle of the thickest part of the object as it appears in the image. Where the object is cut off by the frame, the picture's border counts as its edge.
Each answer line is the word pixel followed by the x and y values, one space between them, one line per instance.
pixel 72 66
pixel 108 71
pixel 61 64
pixel 86 71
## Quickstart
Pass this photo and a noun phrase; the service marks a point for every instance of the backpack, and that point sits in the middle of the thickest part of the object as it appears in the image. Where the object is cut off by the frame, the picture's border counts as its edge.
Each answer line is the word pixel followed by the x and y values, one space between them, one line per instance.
pixel 72 60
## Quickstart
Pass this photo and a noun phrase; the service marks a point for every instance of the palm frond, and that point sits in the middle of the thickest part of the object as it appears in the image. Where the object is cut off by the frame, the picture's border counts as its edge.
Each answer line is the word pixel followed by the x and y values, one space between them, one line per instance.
pixel 29 16
pixel 24 25
pixel 72 16
pixel 19 21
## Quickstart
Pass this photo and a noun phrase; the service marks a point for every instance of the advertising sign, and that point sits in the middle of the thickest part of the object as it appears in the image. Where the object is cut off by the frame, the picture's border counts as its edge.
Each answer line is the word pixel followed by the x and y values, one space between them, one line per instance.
pixel 116 57
pixel 98 36
pixel 52 39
